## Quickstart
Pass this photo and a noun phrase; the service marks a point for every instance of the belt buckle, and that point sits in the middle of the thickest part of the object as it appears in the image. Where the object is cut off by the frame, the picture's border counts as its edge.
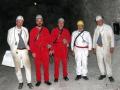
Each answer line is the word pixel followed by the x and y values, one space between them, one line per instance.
pixel 100 45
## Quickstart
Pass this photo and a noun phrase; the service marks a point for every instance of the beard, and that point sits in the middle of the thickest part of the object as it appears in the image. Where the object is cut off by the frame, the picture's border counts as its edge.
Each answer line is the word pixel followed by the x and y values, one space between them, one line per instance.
pixel 60 28
pixel 39 25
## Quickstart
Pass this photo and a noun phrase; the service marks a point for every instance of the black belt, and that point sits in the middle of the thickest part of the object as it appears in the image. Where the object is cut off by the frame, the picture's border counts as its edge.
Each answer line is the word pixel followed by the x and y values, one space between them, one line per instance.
pixel 81 46
pixel 100 45
pixel 21 48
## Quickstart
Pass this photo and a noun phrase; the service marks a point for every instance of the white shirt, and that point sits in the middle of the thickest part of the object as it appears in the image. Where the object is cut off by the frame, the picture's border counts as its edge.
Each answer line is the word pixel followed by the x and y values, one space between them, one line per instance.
pixel 83 40
pixel 13 38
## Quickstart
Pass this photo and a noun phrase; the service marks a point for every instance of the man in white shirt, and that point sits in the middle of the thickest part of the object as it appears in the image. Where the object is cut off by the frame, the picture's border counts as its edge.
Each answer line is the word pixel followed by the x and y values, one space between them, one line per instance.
pixel 81 44
pixel 18 41
pixel 103 46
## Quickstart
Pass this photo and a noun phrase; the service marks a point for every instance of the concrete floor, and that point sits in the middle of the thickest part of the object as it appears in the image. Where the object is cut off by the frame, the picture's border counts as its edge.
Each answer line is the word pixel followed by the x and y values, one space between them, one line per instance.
pixel 8 80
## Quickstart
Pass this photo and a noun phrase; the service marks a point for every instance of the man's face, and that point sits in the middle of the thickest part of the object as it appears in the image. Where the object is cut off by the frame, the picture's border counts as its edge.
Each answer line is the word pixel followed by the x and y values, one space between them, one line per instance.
pixel 80 27
pixel 19 23
pixel 39 22
pixel 100 22
pixel 61 24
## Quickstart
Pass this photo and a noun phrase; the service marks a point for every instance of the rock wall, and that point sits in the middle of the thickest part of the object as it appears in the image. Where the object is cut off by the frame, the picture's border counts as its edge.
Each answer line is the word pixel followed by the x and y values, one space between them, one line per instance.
pixel 71 10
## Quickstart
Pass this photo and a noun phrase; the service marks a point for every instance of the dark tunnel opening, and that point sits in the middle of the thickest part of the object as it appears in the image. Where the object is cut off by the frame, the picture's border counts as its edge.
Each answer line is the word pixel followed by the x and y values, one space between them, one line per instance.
pixel 51 11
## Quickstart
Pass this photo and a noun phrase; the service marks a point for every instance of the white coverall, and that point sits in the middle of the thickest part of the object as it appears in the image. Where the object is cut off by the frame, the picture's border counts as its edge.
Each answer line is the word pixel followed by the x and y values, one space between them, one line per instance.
pixel 81 50
pixel 20 57
pixel 103 53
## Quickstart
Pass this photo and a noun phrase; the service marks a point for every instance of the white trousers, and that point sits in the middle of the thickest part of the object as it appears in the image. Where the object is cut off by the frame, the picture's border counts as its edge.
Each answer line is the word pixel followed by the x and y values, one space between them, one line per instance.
pixel 81 57
pixel 22 57
pixel 104 60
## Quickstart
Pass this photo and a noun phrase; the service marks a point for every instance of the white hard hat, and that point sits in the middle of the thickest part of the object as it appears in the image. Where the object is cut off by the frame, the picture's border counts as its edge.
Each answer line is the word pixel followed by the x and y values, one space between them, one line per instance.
pixel 39 16
pixel 19 17
pixel 98 18
pixel 61 19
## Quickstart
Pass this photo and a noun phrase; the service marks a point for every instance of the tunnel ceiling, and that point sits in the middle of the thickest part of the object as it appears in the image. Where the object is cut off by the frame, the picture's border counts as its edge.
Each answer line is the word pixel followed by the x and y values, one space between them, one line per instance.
pixel 50 9
pixel 71 10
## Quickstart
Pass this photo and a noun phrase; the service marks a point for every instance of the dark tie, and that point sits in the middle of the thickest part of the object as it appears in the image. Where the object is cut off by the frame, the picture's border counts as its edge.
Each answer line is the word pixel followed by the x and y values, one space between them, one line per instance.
pixel 21 43
pixel 99 41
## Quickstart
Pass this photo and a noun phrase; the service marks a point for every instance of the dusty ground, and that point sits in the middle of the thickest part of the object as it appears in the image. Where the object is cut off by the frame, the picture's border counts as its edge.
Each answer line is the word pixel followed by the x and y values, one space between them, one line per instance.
pixel 8 80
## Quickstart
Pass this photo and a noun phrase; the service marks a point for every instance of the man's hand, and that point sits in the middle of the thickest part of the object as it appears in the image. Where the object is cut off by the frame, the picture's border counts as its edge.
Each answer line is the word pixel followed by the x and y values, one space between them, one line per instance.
pixel 51 52
pixel 34 55
pixel 28 48
pixel 94 50
pixel 73 53
pixel 111 50
pixel 65 41
pixel 67 45
pixel 49 46
pixel 90 51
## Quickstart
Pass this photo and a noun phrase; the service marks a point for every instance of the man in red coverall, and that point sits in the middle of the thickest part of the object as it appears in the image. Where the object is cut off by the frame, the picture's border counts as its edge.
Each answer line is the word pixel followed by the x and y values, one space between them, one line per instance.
pixel 61 39
pixel 40 45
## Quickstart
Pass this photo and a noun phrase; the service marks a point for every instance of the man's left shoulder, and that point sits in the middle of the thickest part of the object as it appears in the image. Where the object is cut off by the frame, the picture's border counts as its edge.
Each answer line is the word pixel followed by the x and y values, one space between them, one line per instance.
pixel 45 28
pixel 24 28
pixel 66 29
pixel 87 32
pixel 107 26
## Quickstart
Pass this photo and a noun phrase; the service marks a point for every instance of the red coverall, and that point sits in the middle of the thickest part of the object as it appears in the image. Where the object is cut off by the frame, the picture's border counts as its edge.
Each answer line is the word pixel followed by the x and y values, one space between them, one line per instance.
pixel 39 47
pixel 60 50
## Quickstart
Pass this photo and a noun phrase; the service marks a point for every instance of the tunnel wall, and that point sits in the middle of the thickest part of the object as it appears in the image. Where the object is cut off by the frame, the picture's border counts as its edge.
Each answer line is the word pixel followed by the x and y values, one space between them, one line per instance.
pixel 109 9
pixel 71 10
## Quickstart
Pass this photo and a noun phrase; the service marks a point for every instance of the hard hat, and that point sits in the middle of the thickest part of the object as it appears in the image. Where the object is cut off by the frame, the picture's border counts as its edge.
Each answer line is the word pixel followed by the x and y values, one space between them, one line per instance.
pixel 80 23
pixel 98 18
pixel 19 17
pixel 61 19
pixel 39 16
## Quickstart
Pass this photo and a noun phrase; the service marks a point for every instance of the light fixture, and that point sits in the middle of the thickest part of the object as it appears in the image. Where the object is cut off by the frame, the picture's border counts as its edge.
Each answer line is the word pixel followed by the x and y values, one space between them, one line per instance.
pixel 35 3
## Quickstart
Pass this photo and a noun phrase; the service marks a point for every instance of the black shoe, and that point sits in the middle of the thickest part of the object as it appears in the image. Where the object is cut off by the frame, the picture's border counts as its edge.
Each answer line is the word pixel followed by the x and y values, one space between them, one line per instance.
pixel 66 78
pixel 78 77
pixel 55 80
pixel 20 86
pixel 38 83
pixel 30 85
pixel 111 79
pixel 48 83
pixel 102 77
pixel 85 78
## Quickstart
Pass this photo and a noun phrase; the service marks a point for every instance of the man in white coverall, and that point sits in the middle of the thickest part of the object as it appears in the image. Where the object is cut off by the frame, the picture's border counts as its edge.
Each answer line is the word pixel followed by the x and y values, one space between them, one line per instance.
pixel 103 46
pixel 81 44
pixel 18 41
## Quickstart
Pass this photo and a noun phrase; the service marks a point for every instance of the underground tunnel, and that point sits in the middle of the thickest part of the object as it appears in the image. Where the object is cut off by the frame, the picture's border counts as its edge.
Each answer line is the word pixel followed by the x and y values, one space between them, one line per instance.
pixel 51 10
pixel 72 11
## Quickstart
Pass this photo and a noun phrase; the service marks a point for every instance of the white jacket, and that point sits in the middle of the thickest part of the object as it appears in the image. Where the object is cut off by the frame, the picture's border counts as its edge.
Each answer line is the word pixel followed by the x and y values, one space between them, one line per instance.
pixel 107 36
pixel 13 38
pixel 79 41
